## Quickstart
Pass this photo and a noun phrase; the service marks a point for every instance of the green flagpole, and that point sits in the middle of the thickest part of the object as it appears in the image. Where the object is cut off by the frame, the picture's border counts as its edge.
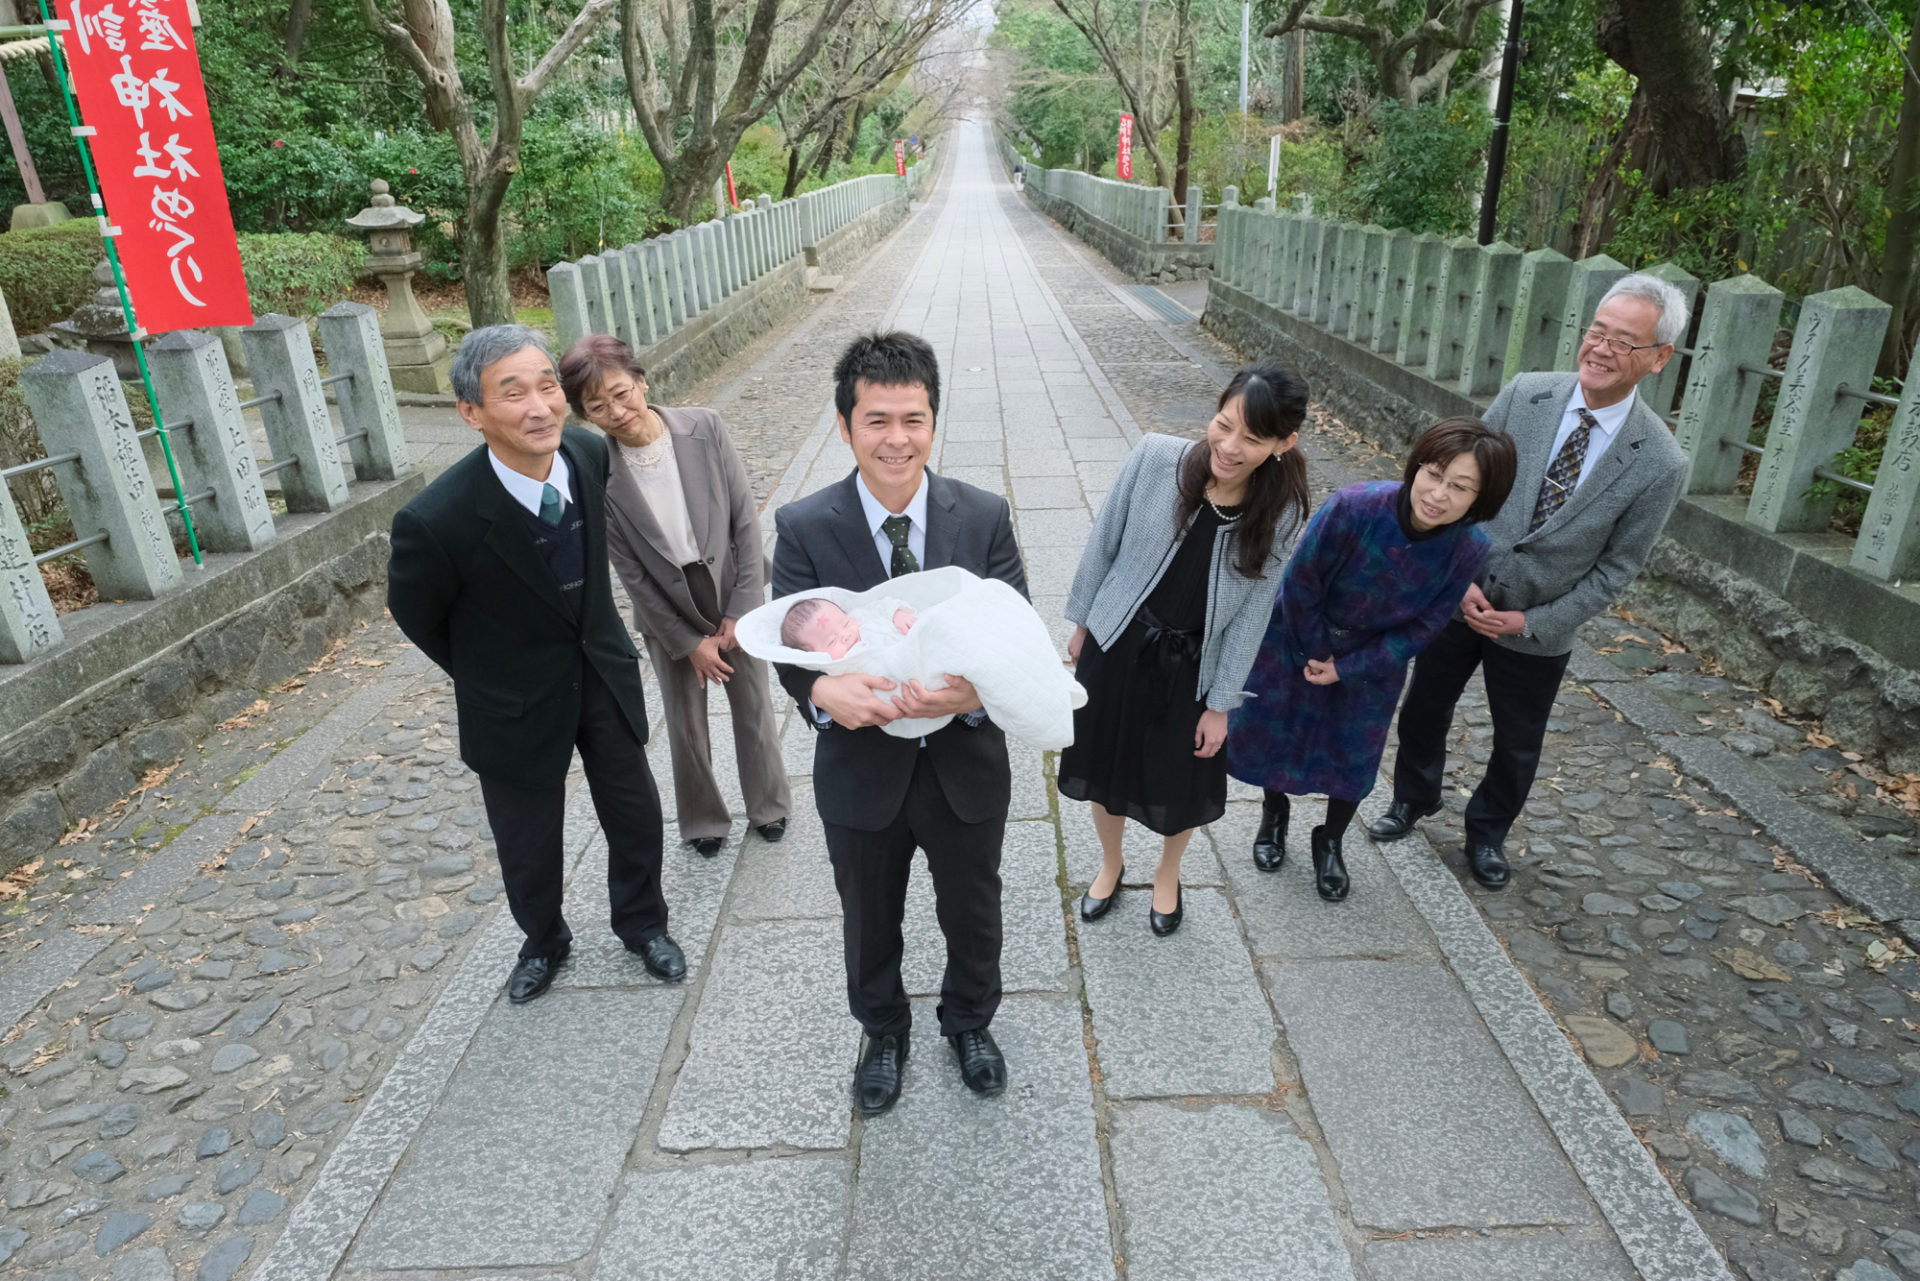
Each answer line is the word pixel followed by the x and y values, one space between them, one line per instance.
pixel 80 135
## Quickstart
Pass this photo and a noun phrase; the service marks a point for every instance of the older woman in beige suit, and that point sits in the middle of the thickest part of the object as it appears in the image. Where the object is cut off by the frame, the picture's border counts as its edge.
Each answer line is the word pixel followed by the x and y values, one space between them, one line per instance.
pixel 684 536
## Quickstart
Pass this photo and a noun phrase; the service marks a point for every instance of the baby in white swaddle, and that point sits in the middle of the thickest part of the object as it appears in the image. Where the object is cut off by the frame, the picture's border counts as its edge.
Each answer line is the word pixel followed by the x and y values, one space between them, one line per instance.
pixel 921 627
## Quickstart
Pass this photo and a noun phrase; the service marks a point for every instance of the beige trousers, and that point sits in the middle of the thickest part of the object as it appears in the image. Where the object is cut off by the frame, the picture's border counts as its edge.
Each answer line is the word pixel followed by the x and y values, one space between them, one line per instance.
pixel 756 744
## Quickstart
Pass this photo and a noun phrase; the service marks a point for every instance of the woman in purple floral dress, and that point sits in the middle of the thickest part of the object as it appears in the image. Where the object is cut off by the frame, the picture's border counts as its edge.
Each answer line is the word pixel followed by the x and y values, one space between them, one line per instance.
pixel 1379 570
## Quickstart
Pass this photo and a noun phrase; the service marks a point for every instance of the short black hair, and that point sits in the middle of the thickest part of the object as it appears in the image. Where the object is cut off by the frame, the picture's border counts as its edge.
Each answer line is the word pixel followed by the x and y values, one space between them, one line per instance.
pixel 896 359
pixel 1492 450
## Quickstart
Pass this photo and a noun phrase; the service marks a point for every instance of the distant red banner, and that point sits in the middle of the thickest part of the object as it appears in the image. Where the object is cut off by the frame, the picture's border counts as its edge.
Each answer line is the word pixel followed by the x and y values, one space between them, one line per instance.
pixel 137 76
pixel 900 157
pixel 1123 164
pixel 733 195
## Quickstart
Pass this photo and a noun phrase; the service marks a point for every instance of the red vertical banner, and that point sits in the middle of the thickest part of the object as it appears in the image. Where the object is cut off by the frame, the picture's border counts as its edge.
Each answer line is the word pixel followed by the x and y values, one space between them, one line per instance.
pixel 900 157
pixel 136 74
pixel 733 197
pixel 1123 158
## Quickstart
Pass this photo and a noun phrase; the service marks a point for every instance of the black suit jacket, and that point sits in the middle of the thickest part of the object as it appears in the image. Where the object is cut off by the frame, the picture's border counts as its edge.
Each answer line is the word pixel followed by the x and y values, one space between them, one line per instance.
pixel 860 776
pixel 467 585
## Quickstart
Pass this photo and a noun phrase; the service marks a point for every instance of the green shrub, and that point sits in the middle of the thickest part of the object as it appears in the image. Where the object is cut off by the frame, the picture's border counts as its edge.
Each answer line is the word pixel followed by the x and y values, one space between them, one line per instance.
pixel 44 271
pixel 299 274
pixel 1421 172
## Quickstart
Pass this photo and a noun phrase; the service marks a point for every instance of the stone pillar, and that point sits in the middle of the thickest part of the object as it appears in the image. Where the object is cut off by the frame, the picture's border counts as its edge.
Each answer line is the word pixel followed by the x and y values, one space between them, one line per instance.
pixel 298 426
pixel 29 626
pixel 1229 196
pixel 640 291
pixel 1303 204
pixel 1365 311
pixel 1314 251
pixel 1396 270
pixel 213 449
pixel 1539 304
pixel 736 234
pixel 620 298
pixel 1287 260
pixel 810 219
pixel 1889 543
pixel 593 282
pixel 1490 324
pixel 1416 314
pixel 1658 389
pixel 1736 328
pixel 350 331
pixel 9 340
pixel 1453 304
pixel 568 292
pixel 1267 288
pixel 1591 278
pixel 1836 342
pixel 715 234
pixel 666 293
pixel 1346 283
pixel 687 266
pixel 76 401
pixel 1191 232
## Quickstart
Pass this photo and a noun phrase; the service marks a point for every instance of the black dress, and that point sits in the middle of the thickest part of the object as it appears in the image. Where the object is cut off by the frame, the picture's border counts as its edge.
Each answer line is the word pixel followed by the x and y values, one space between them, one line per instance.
pixel 1133 742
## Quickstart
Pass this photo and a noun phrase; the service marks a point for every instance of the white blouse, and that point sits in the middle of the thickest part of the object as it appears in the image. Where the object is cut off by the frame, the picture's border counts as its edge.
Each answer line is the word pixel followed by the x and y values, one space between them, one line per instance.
pixel 658 476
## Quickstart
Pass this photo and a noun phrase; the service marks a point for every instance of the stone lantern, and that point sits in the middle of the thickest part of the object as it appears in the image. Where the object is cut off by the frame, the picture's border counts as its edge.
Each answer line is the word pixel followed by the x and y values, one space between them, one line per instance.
pixel 100 325
pixel 416 351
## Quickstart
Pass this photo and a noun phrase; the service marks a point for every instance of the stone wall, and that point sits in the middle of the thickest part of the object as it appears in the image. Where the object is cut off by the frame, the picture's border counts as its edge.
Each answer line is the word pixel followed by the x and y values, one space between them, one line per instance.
pixel 1779 611
pixel 1144 261
pixel 137 684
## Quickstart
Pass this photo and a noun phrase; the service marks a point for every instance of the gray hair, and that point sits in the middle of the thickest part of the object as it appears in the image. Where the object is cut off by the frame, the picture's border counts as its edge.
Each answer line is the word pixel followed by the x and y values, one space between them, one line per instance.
pixel 1666 298
pixel 484 347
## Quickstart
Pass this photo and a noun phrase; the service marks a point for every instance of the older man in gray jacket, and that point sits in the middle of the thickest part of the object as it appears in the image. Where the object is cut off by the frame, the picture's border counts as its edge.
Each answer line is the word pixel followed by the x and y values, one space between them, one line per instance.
pixel 1599 475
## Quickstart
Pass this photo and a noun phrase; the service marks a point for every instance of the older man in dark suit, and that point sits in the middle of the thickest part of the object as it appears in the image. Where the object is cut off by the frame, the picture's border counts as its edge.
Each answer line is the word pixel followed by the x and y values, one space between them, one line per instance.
pixel 499 574
pixel 880 796
pixel 1599 474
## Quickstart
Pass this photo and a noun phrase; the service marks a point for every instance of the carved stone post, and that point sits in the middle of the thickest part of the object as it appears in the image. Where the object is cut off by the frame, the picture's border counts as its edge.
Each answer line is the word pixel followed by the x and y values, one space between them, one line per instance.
pixel 1416 316
pixel 214 451
pixel 1490 326
pixel 1396 270
pixel 1538 309
pixel 299 428
pixel 1889 543
pixel 572 319
pixel 376 442
pixel 1736 329
pixel 1453 302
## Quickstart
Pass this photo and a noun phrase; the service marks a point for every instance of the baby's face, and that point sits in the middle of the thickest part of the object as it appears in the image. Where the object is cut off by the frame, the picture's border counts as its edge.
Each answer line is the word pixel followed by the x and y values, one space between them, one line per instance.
pixel 831 631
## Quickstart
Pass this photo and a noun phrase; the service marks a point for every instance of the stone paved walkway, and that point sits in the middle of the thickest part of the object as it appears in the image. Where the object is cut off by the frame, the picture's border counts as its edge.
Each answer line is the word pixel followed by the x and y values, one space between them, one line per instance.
pixel 259 1029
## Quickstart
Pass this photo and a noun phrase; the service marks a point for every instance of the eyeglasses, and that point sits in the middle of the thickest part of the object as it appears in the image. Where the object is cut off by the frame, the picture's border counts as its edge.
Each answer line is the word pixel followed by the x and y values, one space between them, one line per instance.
pixel 1619 346
pixel 1433 473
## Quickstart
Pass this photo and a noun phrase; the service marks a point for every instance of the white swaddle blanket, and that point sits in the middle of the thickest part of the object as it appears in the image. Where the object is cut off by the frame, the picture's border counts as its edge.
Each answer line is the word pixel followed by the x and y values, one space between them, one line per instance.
pixel 979 628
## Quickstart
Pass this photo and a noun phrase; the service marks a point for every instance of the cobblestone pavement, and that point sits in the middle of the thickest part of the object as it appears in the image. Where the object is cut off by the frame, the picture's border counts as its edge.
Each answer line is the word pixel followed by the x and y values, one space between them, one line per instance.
pixel 281 1052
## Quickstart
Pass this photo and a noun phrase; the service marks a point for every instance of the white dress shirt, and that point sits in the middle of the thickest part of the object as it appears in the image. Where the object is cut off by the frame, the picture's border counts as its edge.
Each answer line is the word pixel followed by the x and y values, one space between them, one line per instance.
pixel 1598 438
pixel 915 511
pixel 525 489
pixel 657 475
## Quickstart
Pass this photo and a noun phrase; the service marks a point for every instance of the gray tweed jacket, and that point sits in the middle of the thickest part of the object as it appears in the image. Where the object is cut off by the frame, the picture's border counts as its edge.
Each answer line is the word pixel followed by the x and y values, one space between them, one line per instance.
pixel 1580 561
pixel 1134 537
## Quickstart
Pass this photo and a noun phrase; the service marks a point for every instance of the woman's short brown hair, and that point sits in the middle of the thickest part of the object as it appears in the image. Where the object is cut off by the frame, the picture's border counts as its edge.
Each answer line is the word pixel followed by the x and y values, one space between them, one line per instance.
pixel 590 361
pixel 1493 450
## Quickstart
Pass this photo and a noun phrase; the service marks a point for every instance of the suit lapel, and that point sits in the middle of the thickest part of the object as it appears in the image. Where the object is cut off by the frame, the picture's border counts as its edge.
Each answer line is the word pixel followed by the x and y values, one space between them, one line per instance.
pixel 850 530
pixel 943 526
pixel 590 495
pixel 627 499
pixel 1535 449
pixel 508 537
pixel 699 473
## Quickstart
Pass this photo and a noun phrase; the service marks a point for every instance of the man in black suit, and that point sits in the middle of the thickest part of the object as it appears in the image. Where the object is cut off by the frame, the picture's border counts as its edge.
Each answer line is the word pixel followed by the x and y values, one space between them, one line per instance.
pixel 499 574
pixel 880 796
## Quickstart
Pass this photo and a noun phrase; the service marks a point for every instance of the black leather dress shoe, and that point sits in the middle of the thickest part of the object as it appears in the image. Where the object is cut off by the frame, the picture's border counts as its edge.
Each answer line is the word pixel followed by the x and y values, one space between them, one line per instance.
pixel 1092 909
pixel 772 832
pixel 1165 923
pixel 708 845
pixel 1329 867
pixel 534 975
pixel 982 1066
pixel 662 957
pixel 1489 866
pixel 876 1082
pixel 1270 842
pixel 1399 820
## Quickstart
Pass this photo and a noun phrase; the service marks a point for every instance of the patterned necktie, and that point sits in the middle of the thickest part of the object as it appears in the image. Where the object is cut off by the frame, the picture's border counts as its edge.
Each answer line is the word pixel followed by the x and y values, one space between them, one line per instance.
pixel 1564 475
pixel 895 528
pixel 550 505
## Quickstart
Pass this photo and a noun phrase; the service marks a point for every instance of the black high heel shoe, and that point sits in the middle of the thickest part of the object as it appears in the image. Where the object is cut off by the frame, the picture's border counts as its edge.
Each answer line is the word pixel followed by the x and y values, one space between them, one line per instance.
pixel 1270 842
pixel 1329 867
pixel 1165 923
pixel 1091 908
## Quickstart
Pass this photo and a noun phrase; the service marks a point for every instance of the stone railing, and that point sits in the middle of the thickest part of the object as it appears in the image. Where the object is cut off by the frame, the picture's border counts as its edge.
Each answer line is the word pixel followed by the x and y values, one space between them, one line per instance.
pixel 645 293
pixel 1126 222
pixel 1393 330
pixel 120 507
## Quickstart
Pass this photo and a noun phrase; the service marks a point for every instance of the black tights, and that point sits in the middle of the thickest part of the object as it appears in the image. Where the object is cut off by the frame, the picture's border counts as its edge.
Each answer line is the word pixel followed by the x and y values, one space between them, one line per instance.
pixel 1339 813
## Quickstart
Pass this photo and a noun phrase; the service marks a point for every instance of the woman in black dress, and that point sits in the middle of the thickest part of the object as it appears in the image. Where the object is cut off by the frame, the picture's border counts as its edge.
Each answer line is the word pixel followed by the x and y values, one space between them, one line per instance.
pixel 1169 604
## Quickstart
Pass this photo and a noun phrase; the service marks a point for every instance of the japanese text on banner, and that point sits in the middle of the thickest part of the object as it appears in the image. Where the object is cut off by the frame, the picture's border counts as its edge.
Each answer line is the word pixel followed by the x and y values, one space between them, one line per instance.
pixel 1123 163
pixel 900 157
pixel 137 75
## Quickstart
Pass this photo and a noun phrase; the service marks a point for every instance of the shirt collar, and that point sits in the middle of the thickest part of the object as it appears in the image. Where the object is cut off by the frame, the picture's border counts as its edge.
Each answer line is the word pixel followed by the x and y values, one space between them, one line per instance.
pixel 915 510
pixel 1609 418
pixel 525 489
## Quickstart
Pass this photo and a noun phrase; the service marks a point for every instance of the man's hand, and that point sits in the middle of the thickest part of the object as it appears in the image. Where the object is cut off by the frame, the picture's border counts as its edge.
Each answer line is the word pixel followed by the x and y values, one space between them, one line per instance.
pixel 1482 617
pixel 1321 671
pixel 851 699
pixel 957 699
pixel 726 637
pixel 707 663
pixel 1210 734
pixel 1074 643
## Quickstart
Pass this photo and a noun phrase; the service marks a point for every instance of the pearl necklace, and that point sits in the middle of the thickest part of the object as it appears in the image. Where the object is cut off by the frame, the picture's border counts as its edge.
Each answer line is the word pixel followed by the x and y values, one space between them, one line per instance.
pixel 1216 508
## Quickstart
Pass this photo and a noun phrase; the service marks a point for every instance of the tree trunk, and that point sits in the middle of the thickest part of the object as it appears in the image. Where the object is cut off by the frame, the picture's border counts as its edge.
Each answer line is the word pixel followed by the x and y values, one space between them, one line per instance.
pixel 299 14
pixel 1669 49
pixel 1896 277
pixel 1627 151
pixel 1183 99
pixel 483 249
pixel 793 173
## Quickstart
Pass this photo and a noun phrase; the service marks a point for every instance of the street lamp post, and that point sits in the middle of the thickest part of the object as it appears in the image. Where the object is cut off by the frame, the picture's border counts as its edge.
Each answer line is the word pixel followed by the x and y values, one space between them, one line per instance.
pixel 1502 114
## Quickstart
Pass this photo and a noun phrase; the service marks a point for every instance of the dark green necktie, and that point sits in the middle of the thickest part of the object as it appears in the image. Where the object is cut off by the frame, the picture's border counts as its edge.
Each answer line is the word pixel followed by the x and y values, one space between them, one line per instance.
pixel 896 529
pixel 550 504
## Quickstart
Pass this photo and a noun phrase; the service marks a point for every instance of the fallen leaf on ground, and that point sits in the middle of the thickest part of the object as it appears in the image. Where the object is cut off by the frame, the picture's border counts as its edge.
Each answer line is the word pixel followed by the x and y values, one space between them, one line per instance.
pixel 1749 964
pixel 244 717
pixel 1884 952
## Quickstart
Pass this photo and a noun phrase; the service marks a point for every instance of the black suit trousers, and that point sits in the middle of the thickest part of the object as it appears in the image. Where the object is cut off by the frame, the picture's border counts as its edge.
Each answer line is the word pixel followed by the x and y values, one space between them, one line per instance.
pixel 1520 693
pixel 527 831
pixel 870 869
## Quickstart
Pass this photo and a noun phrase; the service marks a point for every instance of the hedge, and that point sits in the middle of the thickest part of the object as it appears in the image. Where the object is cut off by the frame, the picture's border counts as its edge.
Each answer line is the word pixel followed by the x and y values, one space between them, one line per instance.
pixel 297 273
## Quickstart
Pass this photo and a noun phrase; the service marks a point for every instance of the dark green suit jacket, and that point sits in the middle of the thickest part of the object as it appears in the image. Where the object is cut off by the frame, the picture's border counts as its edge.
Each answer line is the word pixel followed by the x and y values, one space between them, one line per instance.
pixel 467 586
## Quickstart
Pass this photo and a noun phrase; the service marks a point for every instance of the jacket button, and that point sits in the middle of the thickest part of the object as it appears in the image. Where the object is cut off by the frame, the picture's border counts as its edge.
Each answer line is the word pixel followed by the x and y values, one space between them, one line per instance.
pixel 576 685
pixel 709 560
